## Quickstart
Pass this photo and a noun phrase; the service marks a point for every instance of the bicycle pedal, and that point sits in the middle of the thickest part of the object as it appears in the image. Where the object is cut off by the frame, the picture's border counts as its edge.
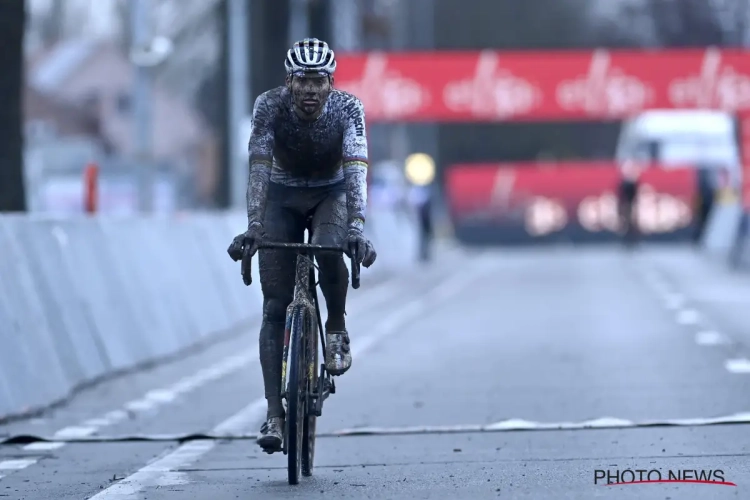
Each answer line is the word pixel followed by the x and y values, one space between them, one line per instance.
pixel 271 451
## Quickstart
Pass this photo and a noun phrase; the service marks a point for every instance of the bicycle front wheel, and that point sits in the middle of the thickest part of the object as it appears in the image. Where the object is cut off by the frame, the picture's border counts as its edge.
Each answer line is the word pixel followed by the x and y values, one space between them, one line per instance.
pixel 296 394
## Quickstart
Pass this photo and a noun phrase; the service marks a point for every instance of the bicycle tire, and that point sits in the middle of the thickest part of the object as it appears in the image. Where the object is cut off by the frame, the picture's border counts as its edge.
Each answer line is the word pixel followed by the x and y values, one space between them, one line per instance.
pixel 296 395
pixel 309 424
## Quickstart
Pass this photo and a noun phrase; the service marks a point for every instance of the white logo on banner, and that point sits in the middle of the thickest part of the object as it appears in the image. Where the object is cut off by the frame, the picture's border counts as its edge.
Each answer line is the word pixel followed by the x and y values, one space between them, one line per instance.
pixel 604 90
pixel 384 92
pixel 492 92
pixel 717 86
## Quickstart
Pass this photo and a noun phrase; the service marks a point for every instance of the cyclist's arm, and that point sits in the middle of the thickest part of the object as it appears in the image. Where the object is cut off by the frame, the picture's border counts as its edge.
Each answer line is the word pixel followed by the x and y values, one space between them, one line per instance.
pixel 260 149
pixel 355 162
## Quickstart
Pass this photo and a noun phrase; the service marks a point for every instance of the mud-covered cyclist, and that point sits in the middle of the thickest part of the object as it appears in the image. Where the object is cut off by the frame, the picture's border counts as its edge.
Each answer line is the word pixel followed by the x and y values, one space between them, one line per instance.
pixel 308 157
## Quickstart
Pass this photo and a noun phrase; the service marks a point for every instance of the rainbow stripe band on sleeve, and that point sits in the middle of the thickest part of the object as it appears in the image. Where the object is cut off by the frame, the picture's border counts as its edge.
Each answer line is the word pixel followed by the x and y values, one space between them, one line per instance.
pixel 356 163
pixel 261 160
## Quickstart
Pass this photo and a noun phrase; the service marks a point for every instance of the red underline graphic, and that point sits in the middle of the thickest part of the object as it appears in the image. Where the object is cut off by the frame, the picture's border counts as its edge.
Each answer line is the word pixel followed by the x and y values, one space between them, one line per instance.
pixel 694 481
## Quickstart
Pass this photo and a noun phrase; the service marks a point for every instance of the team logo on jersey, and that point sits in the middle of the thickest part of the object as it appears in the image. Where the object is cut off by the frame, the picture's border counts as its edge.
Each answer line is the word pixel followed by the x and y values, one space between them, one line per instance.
pixel 354 113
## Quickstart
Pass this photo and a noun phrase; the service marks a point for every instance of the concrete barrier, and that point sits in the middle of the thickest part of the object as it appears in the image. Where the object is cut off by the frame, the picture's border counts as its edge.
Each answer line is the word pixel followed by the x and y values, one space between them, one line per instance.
pixel 82 299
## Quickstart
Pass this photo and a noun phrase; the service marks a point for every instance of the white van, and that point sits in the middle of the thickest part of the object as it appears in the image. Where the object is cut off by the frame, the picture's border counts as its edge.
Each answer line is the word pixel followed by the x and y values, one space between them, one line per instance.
pixel 673 138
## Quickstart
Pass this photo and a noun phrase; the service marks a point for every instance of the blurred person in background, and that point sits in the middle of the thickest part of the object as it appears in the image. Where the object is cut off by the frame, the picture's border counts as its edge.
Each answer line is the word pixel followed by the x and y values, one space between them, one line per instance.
pixel 708 180
pixel 628 198
pixel 308 158
pixel 388 188
pixel 420 198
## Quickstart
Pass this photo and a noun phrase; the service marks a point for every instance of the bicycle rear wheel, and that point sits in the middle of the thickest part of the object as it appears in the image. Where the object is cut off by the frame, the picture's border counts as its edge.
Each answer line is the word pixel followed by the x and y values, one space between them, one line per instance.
pixel 308 429
pixel 296 394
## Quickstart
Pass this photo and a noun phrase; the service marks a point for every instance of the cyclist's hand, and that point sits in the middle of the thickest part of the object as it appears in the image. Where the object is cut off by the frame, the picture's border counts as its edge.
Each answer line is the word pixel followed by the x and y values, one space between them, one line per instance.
pixel 362 248
pixel 370 255
pixel 249 240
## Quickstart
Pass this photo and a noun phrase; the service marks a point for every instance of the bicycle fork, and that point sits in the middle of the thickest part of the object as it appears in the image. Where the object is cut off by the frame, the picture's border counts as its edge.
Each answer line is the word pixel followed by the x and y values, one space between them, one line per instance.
pixel 285 355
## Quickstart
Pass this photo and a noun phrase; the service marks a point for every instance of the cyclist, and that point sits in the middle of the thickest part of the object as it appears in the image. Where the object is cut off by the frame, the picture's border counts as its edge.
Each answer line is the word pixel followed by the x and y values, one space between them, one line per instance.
pixel 628 195
pixel 308 157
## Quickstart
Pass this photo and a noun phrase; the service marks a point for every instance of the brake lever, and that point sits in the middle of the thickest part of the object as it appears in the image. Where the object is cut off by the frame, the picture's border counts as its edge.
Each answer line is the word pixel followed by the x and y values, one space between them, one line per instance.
pixel 247 275
pixel 355 264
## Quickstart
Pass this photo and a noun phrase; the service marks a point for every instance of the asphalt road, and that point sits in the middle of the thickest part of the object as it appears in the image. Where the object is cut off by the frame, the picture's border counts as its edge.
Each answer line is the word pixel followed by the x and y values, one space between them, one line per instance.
pixel 477 377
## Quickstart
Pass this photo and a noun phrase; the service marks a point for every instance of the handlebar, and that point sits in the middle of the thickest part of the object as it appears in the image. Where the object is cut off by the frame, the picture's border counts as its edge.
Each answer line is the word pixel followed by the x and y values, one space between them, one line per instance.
pixel 247 259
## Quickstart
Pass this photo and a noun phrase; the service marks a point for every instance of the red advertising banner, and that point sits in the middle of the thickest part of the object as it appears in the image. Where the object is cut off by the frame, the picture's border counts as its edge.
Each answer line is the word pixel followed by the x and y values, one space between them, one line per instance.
pixel 548 200
pixel 492 86
pixel 744 119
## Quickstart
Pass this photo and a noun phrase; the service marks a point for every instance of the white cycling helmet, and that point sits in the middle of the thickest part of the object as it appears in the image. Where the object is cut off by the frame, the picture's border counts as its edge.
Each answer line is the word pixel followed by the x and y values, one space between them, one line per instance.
pixel 310 54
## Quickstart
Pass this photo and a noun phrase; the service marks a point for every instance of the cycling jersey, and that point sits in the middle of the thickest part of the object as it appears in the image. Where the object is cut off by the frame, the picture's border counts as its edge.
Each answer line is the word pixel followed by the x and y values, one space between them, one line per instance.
pixel 286 149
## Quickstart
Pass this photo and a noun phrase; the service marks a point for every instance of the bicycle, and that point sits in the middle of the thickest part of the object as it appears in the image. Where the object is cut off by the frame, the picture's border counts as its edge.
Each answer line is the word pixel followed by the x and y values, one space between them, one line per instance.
pixel 306 390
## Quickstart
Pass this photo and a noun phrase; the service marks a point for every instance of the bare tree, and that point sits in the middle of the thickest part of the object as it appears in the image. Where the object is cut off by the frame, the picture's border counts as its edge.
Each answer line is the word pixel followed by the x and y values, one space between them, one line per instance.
pixel 687 23
pixel 623 23
pixel 734 19
pixel 673 23
pixel 12 25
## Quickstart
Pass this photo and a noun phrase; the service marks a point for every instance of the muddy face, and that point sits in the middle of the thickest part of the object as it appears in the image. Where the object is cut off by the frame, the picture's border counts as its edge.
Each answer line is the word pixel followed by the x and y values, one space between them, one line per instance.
pixel 309 93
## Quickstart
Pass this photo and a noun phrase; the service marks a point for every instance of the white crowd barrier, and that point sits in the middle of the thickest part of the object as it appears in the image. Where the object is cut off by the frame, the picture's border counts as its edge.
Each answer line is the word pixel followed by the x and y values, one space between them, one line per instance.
pixel 84 298
pixel 724 238
pixel 721 227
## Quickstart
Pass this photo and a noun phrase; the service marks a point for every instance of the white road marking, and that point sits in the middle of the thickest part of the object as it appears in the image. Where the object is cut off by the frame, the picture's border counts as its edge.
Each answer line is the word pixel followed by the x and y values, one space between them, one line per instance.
pixel 242 420
pixel 739 365
pixel 363 345
pixel 162 470
pixel 44 446
pixel 161 395
pixel 139 405
pixel 710 337
pixel 17 464
pixel 60 236
pixel 157 473
pixel 692 317
pixel 185 385
pixel 96 422
pixel 516 424
pixel 687 317
pixel 116 416
pixel 150 401
pixel 74 432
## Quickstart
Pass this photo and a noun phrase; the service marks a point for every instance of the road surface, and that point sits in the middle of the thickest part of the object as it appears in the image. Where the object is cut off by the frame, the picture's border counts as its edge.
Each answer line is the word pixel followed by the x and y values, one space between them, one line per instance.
pixel 478 377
